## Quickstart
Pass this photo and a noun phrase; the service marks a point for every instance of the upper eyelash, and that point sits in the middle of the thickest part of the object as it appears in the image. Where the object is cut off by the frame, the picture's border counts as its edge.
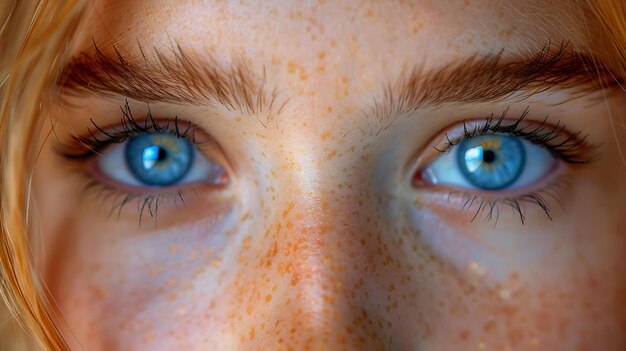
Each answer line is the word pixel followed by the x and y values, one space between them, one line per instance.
pixel 129 126
pixel 569 147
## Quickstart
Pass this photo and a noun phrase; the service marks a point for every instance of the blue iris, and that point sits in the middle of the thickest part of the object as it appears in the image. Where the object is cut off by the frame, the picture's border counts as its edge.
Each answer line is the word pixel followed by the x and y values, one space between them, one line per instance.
pixel 491 162
pixel 159 159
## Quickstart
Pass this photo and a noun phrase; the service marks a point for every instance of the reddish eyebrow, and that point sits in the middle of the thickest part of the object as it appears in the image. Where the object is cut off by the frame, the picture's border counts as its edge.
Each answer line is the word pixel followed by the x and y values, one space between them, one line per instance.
pixel 179 78
pixel 173 78
pixel 491 78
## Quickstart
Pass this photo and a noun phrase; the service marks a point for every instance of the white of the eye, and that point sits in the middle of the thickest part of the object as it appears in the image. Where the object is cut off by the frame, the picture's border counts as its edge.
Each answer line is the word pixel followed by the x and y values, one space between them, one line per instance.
pixel 112 164
pixel 446 171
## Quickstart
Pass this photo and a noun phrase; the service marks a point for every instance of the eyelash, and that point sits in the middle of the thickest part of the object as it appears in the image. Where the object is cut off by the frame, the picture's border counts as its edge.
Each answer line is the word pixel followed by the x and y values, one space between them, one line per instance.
pixel 84 147
pixel 571 148
pixel 568 147
pixel 128 127
pixel 563 145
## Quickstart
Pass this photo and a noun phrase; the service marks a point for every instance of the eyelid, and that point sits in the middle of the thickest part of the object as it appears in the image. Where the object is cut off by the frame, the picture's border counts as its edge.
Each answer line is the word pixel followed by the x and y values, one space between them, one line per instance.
pixel 571 147
pixel 130 184
pixel 98 136
pixel 568 149
pixel 85 149
pixel 544 168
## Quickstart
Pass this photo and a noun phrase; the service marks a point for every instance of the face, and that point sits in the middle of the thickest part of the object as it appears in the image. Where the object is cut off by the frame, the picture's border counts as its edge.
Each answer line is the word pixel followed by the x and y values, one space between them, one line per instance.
pixel 286 175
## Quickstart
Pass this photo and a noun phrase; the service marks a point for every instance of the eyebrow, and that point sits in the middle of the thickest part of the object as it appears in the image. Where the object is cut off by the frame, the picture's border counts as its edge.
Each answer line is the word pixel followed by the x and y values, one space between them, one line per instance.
pixel 176 78
pixel 179 78
pixel 493 78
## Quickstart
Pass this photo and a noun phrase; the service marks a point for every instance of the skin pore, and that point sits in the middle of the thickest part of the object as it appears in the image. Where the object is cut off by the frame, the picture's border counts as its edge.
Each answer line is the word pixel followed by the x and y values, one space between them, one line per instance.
pixel 320 239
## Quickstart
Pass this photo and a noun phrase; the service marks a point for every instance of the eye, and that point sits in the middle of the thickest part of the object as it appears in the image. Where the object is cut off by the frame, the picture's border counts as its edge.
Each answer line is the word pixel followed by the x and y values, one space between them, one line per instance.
pixel 158 160
pixel 490 162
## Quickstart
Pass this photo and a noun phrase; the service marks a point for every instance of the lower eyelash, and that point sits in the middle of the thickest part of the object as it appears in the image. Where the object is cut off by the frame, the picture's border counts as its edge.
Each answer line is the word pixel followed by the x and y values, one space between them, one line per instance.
pixel 569 147
pixel 147 203
pixel 489 209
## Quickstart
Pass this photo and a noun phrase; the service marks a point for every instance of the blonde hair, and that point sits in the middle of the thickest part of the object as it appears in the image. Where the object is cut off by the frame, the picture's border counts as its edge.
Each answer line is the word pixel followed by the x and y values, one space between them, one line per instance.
pixel 34 42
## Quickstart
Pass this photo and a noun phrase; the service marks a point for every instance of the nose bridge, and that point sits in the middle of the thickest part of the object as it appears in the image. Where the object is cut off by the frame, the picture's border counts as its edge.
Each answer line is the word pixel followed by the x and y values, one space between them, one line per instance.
pixel 312 265
pixel 309 286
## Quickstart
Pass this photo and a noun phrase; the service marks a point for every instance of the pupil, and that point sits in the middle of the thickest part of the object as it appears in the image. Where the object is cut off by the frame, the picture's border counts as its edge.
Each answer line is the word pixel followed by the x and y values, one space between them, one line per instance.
pixel 489 156
pixel 162 154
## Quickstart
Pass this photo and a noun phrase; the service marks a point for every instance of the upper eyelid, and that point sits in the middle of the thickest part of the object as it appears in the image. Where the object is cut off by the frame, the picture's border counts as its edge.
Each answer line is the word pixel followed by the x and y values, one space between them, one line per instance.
pixel 100 136
pixel 571 147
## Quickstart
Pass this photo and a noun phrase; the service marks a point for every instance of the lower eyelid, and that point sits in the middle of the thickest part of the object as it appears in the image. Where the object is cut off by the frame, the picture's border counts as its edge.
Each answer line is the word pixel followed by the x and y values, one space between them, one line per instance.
pixel 445 169
pixel 556 172
pixel 153 205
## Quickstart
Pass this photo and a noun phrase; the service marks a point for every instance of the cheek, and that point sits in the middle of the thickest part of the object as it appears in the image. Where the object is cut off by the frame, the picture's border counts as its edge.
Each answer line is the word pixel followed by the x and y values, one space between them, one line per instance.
pixel 316 271
pixel 465 308
pixel 507 288
pixel 119 288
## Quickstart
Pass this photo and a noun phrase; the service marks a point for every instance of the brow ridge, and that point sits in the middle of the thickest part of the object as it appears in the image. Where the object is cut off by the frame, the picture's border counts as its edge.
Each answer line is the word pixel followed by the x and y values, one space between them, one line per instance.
pixel 492 78
pixel 175 77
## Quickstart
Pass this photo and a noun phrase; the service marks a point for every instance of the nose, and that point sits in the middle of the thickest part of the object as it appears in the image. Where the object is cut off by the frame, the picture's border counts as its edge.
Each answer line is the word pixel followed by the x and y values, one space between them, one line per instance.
pixel 323 276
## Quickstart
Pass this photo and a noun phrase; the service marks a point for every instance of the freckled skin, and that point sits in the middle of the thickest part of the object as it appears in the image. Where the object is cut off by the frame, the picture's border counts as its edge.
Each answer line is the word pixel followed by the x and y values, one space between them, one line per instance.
pixel 320 242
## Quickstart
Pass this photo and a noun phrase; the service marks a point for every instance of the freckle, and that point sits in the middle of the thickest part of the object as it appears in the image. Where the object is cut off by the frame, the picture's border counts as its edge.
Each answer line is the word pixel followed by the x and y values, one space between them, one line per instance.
pixel 268 298
pixel 217 263
pixel 417 26
pixel 252 333
pixel 295 279
pixel 245 243
pixel 327 134
pixel 321 55
pixel 345 80
pixel 193 254
pixel 246 216
pixel 290 206
pixel 464 334
pixel 490 325
pixel 174 249
pixel 332 154
pixel 291 67
pixel 325 205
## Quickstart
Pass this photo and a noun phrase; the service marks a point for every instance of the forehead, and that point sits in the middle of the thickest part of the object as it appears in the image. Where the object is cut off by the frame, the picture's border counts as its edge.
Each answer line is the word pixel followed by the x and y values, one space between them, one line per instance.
pixel 348 48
